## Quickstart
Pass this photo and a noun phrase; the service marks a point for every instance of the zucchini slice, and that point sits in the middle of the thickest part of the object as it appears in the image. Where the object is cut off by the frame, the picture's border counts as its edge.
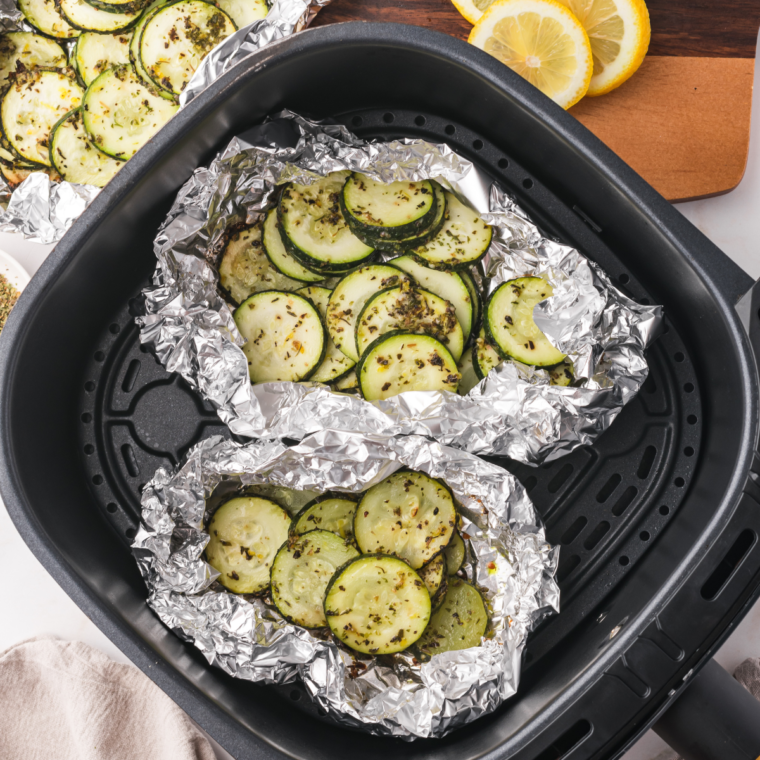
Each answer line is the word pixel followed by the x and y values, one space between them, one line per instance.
pixel 469 378
pixel 475 298
pixel 509 322
pixel 85 17
pixel 448 285
pixel 398 362
pixel 246 533
pixel 16 173
pixel 411 310
pixel 244 12
pixel 31 107
pixel 436 579
pixel 561 375
pixel 460 622
pixel 393 211
pixel 336 363
pixel 29 49
pixel 409 515
pixel 285 337
pixel 463 239
pixel 314 230
pixel 301 573
pixel 484 356
pixel 245 269
pixel 377 605
pixel 121 114
pixel 327 513
pixel 348 299
pixel 349 382
pixel 177 37
pixel 75 157
pixel 278 254
pixel 455 554
pixel 134 48
pixel 43 16
pixel 95 52
pixel 119 6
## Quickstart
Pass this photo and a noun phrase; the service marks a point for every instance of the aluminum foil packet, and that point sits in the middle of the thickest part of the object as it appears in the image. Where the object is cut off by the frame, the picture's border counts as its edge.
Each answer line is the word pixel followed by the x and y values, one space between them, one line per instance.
pixel 515 411
pixel 41 209
pixel 508 558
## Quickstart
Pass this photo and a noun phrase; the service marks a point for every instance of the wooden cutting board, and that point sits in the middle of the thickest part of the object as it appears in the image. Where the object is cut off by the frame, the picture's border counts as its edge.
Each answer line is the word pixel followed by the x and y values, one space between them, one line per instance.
pixel 682 121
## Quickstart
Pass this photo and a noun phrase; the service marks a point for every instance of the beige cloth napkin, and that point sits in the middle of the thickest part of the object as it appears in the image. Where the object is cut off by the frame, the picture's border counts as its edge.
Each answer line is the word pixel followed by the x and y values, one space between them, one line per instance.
pixel 63 700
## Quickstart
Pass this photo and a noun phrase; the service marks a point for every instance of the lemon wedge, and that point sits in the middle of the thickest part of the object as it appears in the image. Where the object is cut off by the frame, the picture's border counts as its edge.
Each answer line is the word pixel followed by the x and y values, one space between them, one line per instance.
pixel 619 32
pixel 542 41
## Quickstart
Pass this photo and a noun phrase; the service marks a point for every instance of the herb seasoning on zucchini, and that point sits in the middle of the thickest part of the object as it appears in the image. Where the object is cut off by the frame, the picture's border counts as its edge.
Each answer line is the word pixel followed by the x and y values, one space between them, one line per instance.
pixel 484 356
pixel 95 52
pixel 327 513
pixel 279 256
pixel 455 554
pixel 44 16
pixel 436 579
pixel 29 49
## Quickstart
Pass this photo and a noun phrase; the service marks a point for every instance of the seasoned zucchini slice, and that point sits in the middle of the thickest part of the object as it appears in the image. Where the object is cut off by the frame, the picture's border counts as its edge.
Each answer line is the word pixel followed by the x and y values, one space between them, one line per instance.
pixel 314 230
pixel 509 322
pixel 75 157
pixel 177 37
pixel 394 211
pixel 448 285
pixel 81 15
pixel 30 50
pixel 278 254
pixel 561 375
pixel 43 15
pixel 348 299
pixel 121 114
pixel 285 337
pixel 460 622
pixel 399 362
pixel 94 53
pixel 409 515
pixel 469 378
pixel 377 605
pixel 134 48
pixel 436 579
pixel 327 513
pixel 477 303
pixel 289 499
pixel 31 107
pixel 244 12
pixel 349 382
pixel 16 173
pixel 336 363
pixel 246 533
pixel 119 6
pixel 484 356
pixel 245 269
pixel 301 573
pixel 411 310
pixel 455 554
pixel 463 239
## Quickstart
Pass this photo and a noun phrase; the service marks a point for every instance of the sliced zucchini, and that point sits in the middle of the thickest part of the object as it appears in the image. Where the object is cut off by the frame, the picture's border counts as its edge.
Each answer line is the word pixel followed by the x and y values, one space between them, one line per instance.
pixel 327 513
pixel 75 157
pixel 349 382
pixel 410 310
pixel 463 239
pixel 285 337
pixel 43 15
pixel 16 173
pixel 436 579
pixel 336 363
pixel 134 47
pixel 301 573
pixel 561 375
pixel 409 515
pixel 30 50
pixel 398 362
pixel 448 285
pixel 289 499
pixel 460 622
pixel 377 605
pixel 278 254
pixel 30 108
pixel 390 211
pixel 244 268
pixel 85 17
pixel 509 322
pixel 119 6
pixel 121 114
pixel 314 230
pixel 177 37
pixel 95 52
pixel 484 356
pixel 476 300
pixel 467 371
pixel 348 299
pixel 455 554
pixel 246 533
pixel 244 12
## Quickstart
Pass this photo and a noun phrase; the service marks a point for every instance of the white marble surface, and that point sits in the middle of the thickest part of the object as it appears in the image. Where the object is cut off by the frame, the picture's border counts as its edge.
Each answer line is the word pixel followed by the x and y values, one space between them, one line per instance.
pixel 38 607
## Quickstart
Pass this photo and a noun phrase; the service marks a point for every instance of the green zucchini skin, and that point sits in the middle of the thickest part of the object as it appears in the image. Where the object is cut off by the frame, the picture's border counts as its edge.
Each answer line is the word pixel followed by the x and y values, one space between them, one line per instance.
pixel 324 513
pixel 436 578
pixel 484 356
pixel 133 6
pixel 134 49
pixel 476 300
pixel 30 49
pixel 86 18
pixel 455 553
pixel 279 256
pixel 43 16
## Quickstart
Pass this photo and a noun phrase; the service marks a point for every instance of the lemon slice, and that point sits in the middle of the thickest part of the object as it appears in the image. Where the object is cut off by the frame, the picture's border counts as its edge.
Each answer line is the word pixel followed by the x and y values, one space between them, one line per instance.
pixel 619 32
pixel 472 10
pixel 542 41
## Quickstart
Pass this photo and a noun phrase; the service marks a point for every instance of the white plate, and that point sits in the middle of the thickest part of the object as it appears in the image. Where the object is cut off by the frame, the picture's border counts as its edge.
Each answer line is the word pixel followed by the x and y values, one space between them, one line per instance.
pixel 13 271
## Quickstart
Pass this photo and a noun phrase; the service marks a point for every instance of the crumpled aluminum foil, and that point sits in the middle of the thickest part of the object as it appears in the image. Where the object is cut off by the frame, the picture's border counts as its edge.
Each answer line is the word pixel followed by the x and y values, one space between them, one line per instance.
pixel 43 210
pixel 507 557
pixel 513 412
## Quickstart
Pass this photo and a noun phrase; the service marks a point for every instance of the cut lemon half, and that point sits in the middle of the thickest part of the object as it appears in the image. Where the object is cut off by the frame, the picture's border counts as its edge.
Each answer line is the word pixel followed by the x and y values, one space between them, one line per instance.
pixel 619 33
pixel 542 41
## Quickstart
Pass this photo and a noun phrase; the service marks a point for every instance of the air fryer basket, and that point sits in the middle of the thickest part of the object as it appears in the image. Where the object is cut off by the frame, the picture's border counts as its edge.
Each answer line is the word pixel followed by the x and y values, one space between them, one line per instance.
pixel 658 521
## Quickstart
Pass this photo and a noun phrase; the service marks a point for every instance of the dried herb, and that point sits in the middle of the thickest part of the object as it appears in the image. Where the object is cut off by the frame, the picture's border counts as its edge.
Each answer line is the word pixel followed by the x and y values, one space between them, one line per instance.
pixel 8 297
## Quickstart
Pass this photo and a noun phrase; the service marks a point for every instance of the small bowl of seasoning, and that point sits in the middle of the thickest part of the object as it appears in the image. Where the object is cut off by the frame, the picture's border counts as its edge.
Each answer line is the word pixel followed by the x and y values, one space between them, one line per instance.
pixel 13 279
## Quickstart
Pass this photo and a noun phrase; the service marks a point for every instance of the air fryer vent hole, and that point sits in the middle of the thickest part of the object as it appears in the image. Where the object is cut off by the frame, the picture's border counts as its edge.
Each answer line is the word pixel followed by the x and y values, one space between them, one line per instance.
pixel 679 482
pixel 644 535
pixel 689 387
pixel 649 385
pixel 596 535
pixel 530 483
pixel 692 419
pixel 608 488
pixel 114 329
pixel 89 449
pixel 567 567
pixel 450 129
pixel 389 118
pixel 645 466
pixel 97 480
pixel 625 500
pixel 729 564
pixel 664 510
pixel 357 121
pixel 689 451
pixel 419 121
pixel 295 695
pixel 679 357
pixel 503 163
pixel 130 461
pixel 130 376
pixel 99 356
pixel 624 278
pixel 574 531
pixel 89 386
pixel 478 145
pixel 527 183
pixel 562 475
pixel 111 507
pixel 569 741
pixel 130 533
pixel 624 561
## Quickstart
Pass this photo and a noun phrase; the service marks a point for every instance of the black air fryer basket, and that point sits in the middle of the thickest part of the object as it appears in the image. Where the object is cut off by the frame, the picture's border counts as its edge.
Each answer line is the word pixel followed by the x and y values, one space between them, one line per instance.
pixel 658 520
